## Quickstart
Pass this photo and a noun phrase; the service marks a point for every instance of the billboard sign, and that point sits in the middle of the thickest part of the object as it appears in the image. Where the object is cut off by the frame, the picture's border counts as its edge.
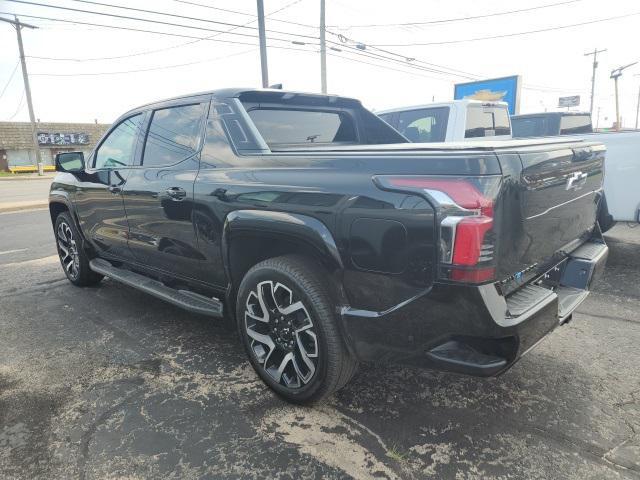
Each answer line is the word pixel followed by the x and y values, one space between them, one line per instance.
pixel 505 89
pixel 573 101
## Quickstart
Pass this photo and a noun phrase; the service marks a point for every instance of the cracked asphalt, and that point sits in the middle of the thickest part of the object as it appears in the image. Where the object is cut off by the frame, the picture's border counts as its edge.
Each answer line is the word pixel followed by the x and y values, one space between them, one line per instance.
pixel 107 382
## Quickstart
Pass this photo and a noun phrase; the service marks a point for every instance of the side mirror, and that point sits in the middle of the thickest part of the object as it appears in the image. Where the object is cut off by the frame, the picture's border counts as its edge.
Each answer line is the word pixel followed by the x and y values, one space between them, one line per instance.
pixel 72 162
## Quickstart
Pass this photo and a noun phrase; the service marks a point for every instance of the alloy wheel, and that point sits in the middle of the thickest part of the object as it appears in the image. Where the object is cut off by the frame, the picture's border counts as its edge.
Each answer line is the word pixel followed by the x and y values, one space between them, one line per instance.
pixel 68 250
pixel 281 333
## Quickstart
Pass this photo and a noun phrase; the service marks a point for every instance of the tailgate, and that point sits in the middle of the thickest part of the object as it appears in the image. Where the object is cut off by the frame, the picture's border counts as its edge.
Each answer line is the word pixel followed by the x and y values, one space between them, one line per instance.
pixel 553 210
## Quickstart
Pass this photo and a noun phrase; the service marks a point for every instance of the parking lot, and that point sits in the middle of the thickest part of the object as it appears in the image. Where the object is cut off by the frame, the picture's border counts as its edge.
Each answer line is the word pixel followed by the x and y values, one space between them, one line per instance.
pixel 107 382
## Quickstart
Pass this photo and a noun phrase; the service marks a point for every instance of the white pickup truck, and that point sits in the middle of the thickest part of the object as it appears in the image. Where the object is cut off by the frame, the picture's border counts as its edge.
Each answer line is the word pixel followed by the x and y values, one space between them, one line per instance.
pixel 453 121
pixel 622 168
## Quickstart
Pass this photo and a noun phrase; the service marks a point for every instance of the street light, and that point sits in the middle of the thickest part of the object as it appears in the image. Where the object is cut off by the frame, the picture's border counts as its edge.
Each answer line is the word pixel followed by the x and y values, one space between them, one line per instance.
pixel 615 74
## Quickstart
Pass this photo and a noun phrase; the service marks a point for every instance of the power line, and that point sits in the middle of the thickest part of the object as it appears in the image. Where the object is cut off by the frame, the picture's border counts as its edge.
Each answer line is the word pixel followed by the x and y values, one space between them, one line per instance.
pixel 446 42
pixel 251 14
pixel 382 66
pixel 156 12
pixel 148 52
pixel 409 62
pixel 19 107
pixel 150 31
pixel 164 67
pixel 401 60
pixel 458 19
pixel 352 50
pixel 159 22
pixel 372 55
pixel 10 78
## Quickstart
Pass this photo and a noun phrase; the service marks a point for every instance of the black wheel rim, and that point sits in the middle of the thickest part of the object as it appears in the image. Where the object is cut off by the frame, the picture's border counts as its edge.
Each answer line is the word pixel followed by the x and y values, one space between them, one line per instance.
pixel 281 334
pixel 68 250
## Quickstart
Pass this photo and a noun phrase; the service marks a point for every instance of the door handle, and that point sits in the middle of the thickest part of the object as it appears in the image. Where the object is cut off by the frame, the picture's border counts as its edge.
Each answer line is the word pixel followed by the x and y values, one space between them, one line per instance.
pixel 114 189
pixel 176 193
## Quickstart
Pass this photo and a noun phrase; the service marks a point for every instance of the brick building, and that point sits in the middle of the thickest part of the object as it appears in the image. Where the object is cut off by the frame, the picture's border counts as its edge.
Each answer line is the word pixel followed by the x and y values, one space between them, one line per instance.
pixel 16 145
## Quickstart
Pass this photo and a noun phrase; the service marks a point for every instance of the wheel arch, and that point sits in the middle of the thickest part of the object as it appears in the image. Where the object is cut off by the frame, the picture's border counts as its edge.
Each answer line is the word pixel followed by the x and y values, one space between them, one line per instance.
pixel 251 236
pixel 59 202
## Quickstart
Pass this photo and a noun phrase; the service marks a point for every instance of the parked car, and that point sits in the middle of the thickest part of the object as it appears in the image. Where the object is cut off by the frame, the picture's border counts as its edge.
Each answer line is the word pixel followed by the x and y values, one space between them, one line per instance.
pixel 327 239
pixel 454 121
pixel 622 196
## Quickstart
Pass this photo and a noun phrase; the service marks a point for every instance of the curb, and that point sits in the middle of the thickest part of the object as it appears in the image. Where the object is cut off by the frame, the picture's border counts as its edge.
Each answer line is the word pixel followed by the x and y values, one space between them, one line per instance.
pixel 19 206
pixel 19 178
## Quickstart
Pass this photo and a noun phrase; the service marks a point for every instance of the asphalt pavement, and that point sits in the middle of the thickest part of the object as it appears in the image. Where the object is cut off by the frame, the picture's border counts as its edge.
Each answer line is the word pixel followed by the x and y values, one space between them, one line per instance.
pixel 107 382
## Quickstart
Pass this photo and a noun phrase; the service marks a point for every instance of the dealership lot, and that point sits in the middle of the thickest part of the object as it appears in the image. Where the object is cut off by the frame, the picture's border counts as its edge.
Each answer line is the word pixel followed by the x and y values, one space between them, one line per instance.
pixel 108 383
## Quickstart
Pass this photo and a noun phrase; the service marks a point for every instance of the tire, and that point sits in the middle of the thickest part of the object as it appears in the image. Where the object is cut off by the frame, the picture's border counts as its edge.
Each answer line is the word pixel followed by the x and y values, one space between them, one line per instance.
pixel 73 258
pixel 287 326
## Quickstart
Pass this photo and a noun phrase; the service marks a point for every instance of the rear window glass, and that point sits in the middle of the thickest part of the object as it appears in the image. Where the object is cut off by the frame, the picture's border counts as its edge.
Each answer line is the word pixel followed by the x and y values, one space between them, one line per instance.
pixel 573 124
pixel 425 125
pixel 531 127
pixel 296 127
pixel 487 122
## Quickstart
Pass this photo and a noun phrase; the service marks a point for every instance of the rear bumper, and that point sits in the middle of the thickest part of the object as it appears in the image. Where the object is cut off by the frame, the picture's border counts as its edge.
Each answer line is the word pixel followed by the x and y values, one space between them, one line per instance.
pixel 474 330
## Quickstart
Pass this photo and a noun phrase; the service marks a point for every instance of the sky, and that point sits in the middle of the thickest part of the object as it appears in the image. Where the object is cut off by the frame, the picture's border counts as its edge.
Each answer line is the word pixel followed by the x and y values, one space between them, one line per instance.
pixel 83 73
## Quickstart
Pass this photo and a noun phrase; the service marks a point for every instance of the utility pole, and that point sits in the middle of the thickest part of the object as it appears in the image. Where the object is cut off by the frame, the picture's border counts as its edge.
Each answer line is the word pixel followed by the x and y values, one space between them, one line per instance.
pixel 263 45
pixel 27 89
pixel 593 77
pixel 615 74
pixel 323 49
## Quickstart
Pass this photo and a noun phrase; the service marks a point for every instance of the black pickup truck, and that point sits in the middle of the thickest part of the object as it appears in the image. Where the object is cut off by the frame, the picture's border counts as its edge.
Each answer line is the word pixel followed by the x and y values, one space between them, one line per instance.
pixel 328 239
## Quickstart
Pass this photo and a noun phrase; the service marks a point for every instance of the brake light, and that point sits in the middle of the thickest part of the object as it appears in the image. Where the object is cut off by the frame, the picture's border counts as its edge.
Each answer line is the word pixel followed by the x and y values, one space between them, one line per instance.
pixel 469 240
pixel 461 191
pixel 465 209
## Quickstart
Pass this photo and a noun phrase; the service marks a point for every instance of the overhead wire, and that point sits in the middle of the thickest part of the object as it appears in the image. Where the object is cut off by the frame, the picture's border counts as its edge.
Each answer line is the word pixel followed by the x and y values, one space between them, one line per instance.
pixel 10 78
pixel 19 107
pixel 145 30
pixel 458 19
pixel 160 22
pixel 508 35
pixel 163 67
pixel 400 59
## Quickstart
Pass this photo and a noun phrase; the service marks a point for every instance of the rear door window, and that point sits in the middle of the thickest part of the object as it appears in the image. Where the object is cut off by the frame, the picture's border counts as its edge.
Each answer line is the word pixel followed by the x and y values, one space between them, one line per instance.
pixel 303 127
pixel 487 121
pixel 575 124
pixel 174 135
pixel 424 125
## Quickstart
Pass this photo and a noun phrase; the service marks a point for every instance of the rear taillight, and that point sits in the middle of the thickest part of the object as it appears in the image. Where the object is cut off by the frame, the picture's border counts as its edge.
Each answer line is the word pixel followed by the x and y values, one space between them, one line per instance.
pixel 464 208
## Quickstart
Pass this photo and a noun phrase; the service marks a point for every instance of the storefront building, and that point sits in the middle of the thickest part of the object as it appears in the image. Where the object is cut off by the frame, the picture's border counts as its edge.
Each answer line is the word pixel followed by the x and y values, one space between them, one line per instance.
pixel 16 144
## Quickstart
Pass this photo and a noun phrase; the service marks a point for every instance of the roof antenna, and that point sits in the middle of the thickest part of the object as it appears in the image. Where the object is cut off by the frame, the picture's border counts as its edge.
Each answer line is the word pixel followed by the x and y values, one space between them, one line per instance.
pixel 277 86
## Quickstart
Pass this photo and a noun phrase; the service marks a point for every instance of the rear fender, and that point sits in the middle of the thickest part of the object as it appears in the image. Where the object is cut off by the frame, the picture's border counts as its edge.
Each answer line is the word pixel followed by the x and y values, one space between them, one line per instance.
pixel 251 236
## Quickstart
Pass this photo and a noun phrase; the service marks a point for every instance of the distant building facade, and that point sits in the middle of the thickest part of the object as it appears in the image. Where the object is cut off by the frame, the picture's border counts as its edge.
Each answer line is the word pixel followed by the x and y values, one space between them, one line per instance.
pixel 16 145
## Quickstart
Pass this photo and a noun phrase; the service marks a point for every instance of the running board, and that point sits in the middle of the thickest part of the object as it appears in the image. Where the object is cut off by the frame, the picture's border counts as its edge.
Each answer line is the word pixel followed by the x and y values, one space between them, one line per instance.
pixel 193 302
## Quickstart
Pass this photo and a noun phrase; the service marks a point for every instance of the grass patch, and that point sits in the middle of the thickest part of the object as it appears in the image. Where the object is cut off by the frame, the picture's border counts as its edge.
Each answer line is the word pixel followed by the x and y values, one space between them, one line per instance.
pixel 396 454
pixel 6 174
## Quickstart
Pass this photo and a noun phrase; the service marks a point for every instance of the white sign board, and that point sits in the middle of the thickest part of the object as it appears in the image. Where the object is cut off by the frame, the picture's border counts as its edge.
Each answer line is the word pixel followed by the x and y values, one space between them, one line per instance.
pixel 573 101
